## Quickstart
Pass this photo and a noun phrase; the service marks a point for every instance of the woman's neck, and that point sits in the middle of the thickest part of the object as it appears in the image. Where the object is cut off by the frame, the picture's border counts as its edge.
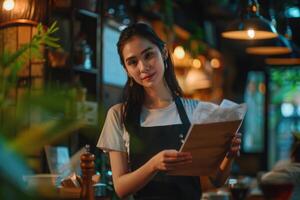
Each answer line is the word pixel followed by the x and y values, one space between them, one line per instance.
pixel 159 97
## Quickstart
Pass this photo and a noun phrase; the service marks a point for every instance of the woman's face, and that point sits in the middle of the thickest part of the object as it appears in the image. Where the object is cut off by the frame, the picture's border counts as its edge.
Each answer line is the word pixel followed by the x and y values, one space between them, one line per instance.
pixel 144 62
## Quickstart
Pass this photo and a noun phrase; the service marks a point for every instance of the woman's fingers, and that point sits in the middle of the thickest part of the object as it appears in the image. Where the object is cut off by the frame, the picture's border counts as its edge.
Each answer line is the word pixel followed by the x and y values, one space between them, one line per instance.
pixel 177 159
pixel 174 165
pixel 236 140
pixel 235 145
pixel 175 154
pixel 170 159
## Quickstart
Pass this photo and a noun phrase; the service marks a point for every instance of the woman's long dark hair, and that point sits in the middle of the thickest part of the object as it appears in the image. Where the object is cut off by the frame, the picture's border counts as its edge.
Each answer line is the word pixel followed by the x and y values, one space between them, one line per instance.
pixel 134 94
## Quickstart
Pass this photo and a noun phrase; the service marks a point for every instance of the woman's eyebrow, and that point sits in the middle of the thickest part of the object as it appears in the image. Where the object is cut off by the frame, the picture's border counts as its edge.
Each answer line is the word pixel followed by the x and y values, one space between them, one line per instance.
pixel 144 51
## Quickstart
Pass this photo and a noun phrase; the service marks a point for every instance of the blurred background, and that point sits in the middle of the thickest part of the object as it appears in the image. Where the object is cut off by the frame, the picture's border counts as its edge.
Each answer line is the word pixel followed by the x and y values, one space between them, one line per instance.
pixel 242 50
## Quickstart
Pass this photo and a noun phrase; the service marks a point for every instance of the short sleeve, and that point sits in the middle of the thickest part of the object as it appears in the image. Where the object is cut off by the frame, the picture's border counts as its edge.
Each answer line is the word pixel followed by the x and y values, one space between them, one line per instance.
pixel 111 137
pixel 190 105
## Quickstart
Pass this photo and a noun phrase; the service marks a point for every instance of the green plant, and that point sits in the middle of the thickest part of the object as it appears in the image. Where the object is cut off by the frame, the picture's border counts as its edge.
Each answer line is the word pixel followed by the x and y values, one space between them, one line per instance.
pixel 34 119
pixel 286 84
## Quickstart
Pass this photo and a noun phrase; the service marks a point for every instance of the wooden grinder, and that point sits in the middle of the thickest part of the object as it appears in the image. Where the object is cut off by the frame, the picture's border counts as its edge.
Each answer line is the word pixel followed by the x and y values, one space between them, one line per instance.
pixel 88 170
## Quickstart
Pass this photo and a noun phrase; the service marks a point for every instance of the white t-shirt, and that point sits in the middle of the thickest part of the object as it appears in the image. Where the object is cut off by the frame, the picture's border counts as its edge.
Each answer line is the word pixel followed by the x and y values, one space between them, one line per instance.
pixel 114 136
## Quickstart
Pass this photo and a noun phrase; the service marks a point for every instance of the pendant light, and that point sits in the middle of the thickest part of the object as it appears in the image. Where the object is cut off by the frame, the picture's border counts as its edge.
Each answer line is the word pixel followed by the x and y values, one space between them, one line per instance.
pixel 276 46
pixel 8 5
pixel 291 59
pixel 282 61
pixel 251 26
pixel 22 12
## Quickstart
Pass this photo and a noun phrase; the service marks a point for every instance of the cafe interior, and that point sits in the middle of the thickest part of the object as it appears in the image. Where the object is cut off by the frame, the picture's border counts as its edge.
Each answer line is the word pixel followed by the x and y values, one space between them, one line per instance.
pixel 60 73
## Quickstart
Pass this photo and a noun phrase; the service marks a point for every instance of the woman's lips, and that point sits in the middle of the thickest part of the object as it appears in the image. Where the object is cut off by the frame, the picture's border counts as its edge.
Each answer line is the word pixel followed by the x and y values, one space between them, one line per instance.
pixel 148 77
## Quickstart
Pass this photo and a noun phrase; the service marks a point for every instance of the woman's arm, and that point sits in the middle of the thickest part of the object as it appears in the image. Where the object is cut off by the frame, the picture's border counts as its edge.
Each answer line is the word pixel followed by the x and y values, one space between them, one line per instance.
pixel 224 170
pixel 126 182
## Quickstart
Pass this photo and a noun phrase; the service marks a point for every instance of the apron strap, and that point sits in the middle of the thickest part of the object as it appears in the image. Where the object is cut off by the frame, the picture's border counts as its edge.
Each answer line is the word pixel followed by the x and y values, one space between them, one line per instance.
pixel 182 113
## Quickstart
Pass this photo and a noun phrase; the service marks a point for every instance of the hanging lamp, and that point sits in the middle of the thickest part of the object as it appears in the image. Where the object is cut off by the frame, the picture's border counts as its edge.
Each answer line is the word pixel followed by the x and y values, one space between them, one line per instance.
pixel 29 12
pixel 276 46
pixel 291 59
pixel 251 26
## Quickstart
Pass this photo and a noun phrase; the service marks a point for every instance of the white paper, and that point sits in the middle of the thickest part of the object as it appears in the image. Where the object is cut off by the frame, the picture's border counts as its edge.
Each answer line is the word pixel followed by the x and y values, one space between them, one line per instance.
pixel 206 112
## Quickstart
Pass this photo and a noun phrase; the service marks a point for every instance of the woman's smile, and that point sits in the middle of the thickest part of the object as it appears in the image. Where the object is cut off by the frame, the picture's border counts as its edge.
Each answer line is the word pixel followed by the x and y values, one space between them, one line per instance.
pixel 148 77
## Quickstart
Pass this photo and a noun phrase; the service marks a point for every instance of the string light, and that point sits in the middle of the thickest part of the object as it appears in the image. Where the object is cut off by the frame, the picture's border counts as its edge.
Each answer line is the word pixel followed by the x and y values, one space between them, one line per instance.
pixel 179 52
pixel 8 5
pixel 215 63
pixel 196 63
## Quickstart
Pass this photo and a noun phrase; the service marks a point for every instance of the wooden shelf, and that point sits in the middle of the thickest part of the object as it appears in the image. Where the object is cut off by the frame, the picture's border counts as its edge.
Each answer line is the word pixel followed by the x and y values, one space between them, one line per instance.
pixel 80 68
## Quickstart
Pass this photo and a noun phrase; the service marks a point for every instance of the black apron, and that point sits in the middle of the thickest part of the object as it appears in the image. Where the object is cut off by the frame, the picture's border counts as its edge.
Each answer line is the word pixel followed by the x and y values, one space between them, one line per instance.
pixel 145 142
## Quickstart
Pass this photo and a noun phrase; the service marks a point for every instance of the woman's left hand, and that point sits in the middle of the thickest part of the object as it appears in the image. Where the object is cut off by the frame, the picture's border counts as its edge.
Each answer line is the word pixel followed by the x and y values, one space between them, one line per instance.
pixel 235 146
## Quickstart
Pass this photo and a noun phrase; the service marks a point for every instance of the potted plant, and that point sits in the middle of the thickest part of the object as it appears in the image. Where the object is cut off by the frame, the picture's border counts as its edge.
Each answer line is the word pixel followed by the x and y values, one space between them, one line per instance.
pixel 56 108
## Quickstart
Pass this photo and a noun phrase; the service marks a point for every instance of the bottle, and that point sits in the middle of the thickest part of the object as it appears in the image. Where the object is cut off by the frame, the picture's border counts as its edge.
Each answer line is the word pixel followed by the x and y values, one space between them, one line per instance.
pixel 88 170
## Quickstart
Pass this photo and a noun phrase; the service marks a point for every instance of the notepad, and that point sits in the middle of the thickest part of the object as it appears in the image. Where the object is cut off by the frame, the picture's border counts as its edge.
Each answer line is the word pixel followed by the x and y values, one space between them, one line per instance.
pixel 208 143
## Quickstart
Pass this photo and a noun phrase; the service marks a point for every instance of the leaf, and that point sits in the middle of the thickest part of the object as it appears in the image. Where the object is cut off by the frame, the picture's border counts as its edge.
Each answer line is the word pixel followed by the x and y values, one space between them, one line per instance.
pixel 42 134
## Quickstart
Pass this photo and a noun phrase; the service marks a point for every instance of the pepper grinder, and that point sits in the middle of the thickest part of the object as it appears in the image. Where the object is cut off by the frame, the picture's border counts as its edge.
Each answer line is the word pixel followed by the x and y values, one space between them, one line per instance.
pixel 88 170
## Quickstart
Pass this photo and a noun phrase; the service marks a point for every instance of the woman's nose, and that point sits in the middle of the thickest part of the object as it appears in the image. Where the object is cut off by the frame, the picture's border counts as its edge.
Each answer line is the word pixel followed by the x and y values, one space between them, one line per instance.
pixel 143 66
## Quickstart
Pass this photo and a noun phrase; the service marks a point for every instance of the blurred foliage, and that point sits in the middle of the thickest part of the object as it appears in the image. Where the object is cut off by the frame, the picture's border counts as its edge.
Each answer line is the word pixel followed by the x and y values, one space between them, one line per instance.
pixel 195 42
pixel 286 83
pixel 30 121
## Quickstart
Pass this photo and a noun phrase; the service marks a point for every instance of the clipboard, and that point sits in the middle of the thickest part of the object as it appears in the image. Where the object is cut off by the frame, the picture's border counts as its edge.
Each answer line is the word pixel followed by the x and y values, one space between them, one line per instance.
pixel 208 144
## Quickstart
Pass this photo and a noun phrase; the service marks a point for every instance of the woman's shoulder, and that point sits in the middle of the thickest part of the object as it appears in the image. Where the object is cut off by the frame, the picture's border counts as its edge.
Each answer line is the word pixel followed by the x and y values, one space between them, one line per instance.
pixel 115 111
pixel 189 103
pixel 115 108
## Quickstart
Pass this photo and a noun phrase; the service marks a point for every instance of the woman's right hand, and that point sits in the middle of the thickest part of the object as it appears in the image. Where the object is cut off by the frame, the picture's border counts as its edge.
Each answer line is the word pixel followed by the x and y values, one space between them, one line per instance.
pixel 167 160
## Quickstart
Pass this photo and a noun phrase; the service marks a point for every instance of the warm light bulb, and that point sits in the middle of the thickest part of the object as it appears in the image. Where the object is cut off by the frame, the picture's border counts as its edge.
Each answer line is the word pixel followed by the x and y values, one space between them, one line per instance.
pixel 196 63
pixel 251 33
pixel 179 52
pixel 215 63
pixel 8 5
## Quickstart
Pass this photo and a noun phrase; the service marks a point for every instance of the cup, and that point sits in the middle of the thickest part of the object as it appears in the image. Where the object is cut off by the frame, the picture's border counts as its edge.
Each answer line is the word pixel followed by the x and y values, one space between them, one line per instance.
pixel 239 187
pixel 215 196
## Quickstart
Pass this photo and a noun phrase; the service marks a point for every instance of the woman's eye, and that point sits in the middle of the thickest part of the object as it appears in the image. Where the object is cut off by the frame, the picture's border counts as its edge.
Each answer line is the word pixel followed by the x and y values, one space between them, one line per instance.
pixel 132 62
pixel 149 55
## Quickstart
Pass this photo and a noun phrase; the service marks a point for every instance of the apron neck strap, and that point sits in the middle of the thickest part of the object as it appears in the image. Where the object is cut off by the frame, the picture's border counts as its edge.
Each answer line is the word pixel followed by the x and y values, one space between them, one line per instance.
pixel 182 113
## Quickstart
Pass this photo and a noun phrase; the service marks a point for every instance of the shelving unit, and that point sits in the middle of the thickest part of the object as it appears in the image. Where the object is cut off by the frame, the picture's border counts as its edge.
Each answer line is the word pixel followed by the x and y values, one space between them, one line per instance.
pixel 80 30
pixel 86 33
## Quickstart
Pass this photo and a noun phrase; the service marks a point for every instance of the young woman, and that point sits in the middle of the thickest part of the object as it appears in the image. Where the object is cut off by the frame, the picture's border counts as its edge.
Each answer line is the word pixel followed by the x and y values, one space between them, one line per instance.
pixel 143 133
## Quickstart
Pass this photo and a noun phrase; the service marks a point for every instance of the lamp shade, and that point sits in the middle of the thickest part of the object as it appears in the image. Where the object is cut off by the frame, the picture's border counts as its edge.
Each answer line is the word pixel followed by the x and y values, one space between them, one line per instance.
pixel 24 12
pixel 279 45
pixel 282 61
pixel 291 59
pixel 252 28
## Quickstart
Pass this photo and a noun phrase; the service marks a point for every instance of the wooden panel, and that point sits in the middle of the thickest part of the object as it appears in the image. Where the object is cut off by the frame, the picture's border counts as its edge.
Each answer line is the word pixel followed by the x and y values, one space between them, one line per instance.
pixel 10 38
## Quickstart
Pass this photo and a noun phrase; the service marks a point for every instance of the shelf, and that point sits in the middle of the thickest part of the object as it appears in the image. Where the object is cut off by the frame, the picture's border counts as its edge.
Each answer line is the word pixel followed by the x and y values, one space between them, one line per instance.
pixel 88 13
pixel 80 68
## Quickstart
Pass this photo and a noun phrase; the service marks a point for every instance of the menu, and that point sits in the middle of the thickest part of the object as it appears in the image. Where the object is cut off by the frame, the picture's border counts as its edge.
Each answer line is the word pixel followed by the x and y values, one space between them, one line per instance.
pixel 209 137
